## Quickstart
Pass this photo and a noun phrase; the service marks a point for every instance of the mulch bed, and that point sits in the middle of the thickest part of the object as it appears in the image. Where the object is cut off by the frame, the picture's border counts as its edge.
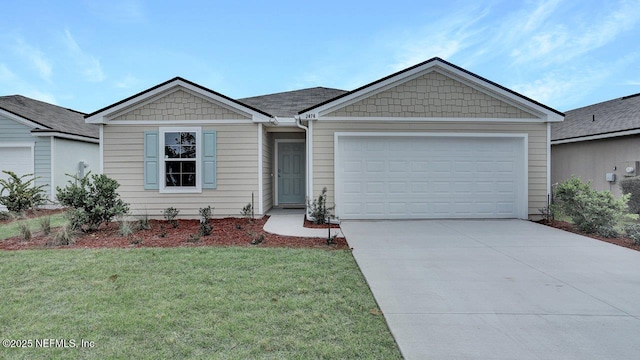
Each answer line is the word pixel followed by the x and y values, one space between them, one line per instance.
pixel 226 232
pixel 310 224
pixel 563 225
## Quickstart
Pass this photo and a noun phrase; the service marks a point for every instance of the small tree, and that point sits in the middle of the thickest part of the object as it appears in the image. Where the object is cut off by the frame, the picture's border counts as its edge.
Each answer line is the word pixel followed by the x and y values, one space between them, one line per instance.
pixel 94 200
pixel 21 195
pixel 590 210
pixel 318 209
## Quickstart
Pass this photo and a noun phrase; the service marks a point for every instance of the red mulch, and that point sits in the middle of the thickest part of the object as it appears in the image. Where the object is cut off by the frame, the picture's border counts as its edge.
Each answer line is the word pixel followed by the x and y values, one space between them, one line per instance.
pixel 226 232
pixel 563 225
pixel 310 224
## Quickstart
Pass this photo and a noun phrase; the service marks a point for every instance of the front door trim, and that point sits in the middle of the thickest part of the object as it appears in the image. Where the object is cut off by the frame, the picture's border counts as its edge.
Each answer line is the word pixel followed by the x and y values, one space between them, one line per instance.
pixel 275 170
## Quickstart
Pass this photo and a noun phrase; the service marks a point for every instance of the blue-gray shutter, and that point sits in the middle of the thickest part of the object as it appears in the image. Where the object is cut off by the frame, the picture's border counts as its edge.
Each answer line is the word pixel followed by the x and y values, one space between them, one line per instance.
pixel 151 160
pixel 209 160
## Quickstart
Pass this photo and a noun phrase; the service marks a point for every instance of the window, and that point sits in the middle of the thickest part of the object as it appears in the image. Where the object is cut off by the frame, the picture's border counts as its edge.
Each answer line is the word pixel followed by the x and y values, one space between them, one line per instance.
pixel 180 159
pixel 180 165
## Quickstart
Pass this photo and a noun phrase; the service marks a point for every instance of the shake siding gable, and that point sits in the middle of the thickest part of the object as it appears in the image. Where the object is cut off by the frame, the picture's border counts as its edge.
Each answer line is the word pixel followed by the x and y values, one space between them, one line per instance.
pixel 431 95
pixel 181 105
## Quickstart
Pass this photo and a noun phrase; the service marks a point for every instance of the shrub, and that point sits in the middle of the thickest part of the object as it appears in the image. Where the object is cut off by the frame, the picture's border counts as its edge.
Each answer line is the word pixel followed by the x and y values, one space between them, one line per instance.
pixel 143 222
pixel 94 200
pixel 21 195
pixel 25 231
pixel 247 211
pixel 170 215
pixel 5 215
pixel 64 236
pixel 45 224
pixel 633 232
pixel 205 215
pixel 631 186
pixel 318 209
pixel 590 210
pixel 125 228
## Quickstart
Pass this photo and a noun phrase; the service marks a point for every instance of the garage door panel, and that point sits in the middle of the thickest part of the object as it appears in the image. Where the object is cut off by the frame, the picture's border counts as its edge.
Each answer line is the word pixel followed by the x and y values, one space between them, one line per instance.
pixel 429 177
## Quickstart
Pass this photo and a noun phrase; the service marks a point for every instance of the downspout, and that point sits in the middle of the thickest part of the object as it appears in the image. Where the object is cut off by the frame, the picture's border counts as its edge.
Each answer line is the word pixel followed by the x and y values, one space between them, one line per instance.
pixel 307 156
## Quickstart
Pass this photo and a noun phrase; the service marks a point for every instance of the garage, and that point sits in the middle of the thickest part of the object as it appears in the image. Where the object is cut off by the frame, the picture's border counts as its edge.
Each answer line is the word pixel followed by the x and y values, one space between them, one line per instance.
pixel 430 175
pixel 18 159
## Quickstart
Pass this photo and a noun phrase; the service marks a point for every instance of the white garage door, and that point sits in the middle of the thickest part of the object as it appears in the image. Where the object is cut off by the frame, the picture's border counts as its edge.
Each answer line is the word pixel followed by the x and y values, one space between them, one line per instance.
pixel 16 159
pixel 422 177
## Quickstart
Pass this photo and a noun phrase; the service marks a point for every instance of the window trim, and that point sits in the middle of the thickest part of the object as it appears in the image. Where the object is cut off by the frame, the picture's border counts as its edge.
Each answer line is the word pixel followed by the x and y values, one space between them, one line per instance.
pixel 162 164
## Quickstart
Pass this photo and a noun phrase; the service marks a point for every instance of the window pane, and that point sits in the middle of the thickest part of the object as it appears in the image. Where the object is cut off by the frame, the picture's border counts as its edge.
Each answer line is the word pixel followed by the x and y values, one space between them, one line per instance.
pixel 172 174
pixel 188 180
pixel 189 166
pixel 188 138
pixel 171 138
pixel 172 152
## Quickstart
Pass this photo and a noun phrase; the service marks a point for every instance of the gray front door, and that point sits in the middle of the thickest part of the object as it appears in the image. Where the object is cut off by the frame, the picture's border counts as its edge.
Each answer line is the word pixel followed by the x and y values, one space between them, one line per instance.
pixel 291 170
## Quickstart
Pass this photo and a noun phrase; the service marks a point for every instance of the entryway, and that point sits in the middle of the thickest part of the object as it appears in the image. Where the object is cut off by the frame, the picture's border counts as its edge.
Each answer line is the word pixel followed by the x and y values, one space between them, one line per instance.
pixel 290 169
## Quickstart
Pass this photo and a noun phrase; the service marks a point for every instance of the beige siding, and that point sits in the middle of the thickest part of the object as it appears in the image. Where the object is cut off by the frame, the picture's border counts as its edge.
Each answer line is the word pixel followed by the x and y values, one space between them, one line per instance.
pixel 237 164
pixel 181 105
pixel 323 147
pixel 591 160
pixel 431 95
pixel 267 170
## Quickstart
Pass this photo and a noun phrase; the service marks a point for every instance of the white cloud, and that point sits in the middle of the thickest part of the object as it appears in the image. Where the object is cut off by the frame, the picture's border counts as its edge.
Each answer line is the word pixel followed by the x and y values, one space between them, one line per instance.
pixel 444 38
pixel 89 64
pixel 36 58
pixel 127 82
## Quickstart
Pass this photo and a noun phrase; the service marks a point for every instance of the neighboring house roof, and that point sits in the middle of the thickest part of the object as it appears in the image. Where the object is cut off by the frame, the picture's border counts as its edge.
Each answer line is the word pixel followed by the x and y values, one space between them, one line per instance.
pixel 436 61
pixel 606 119
pixel 289 103
pixel 50 117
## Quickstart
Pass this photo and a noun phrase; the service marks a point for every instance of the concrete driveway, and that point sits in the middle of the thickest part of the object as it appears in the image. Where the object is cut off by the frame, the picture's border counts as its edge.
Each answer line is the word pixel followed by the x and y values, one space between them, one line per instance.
pixel 500 289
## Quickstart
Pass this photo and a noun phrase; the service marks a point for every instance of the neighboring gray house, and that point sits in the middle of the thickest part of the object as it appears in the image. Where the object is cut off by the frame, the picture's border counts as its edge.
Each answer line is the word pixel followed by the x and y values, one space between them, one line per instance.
pixel 46 140
pixel 430 141
pixel 599 142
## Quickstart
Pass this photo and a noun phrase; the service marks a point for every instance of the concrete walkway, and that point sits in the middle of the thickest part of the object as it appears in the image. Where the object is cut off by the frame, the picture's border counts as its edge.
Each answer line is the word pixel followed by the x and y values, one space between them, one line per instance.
pixel 292 225
pixel 500 289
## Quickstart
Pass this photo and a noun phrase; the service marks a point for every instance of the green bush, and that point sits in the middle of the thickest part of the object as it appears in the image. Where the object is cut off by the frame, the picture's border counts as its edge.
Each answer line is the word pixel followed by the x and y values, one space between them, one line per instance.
pixel 93 200
pixel 21 195
pixel 631 186
pixel 170 215
pixel 318 209
pixel 591 211
pixel 633 232
pixel 205 228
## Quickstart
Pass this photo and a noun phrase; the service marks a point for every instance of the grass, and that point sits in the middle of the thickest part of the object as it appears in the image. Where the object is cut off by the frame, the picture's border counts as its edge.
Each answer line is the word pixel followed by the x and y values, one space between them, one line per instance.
pixel 13 228
pixel 222 303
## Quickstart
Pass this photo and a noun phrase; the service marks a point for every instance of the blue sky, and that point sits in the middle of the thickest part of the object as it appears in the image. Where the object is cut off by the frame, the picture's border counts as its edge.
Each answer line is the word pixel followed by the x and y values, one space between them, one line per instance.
pixel 88 54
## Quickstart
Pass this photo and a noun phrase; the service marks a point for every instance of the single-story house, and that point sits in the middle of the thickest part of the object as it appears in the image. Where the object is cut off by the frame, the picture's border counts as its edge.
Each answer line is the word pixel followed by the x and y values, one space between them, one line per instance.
pixel 46 140
pixel 598 143
pixel 431 141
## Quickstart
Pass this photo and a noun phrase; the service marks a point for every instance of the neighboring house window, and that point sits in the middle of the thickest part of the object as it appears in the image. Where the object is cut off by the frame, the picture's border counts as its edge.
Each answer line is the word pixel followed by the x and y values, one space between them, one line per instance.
pixel 179 159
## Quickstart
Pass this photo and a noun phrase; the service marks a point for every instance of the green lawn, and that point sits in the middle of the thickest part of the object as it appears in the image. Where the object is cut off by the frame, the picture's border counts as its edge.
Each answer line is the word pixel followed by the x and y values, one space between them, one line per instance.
pixel 11 229
pixel 206 302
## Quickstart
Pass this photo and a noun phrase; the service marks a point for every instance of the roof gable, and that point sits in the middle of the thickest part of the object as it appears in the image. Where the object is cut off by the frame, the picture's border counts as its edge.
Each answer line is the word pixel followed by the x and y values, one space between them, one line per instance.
pixel 181 104
pixel 148 104
pixel 436 85
pixel 433 94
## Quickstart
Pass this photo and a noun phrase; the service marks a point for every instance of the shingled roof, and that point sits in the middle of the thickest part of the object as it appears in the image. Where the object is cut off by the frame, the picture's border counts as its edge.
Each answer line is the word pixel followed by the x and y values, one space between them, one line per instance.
pixel 49 117
pixel 289 103
pixel 609 117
